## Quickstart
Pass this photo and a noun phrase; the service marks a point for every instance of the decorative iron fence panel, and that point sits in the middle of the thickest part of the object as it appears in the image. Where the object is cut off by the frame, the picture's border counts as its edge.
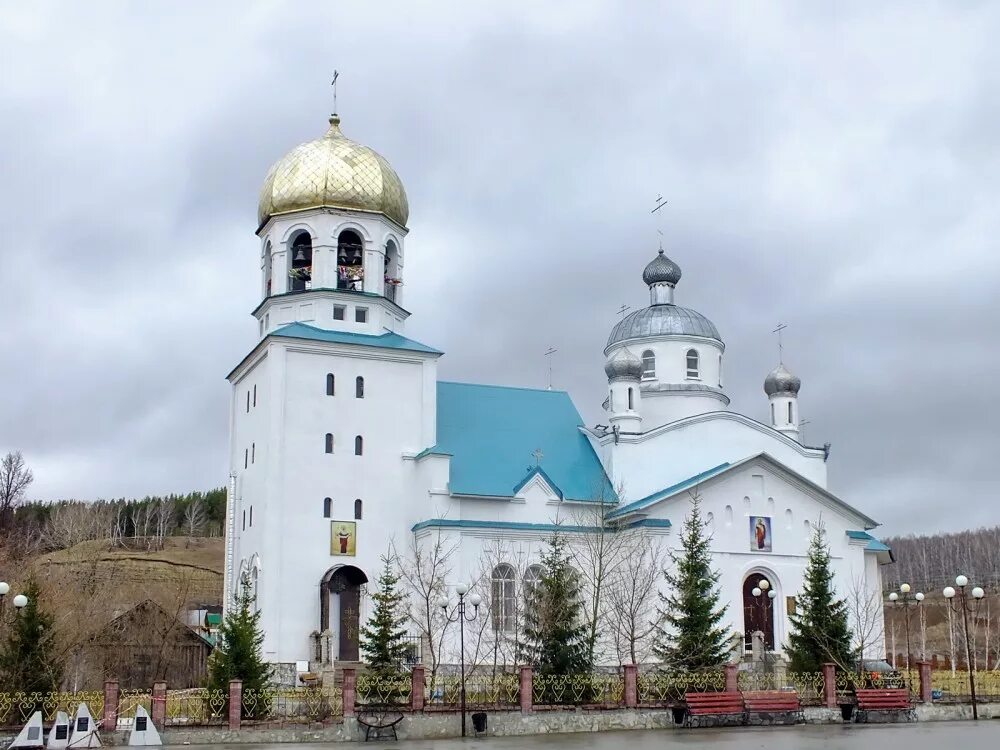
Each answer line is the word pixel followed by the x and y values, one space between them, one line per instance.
pixel 668 688
pixel 293 705
pixel 809 685
pixel 577 690
pixel 197 707
pixel 481 691
pixel 16 708
pixel 384 689
pixel 946 687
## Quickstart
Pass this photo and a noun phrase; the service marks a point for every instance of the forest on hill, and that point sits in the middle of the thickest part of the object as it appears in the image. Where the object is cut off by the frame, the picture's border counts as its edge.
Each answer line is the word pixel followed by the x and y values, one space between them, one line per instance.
pixel 930 562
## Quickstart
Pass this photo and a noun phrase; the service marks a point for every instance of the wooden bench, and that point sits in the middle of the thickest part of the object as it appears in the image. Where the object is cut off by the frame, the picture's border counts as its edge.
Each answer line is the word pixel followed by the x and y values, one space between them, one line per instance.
pixel 712 705
pixel 774 704
pixel 379 719
pixel 882 700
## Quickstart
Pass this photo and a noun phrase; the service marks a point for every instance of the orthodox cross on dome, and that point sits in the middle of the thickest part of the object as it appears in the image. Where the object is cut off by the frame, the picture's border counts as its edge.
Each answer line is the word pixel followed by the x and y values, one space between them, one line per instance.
pixel 333 83
pixel 548 355
pixel 624 309
pixel 781 327
pixel 660 203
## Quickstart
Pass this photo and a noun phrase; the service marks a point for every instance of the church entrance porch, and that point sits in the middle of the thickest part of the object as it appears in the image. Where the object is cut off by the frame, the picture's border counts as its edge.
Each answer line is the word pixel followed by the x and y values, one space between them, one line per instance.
pixel 340 611
pixel 758 611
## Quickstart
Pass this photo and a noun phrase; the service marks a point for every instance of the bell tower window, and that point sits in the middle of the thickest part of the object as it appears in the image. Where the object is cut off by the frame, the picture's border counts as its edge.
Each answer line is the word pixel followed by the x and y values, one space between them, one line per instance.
pixel 692 363
pixel 648 364
pixel 267 269
pixel 350 261
pixel 392 279
pixel 300 269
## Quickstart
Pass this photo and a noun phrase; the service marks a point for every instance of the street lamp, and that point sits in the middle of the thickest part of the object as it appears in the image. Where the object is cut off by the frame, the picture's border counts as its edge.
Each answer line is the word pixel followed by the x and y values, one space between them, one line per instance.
pixel 461 618
pixel 905 601
pixel 764 597
pixel 965 607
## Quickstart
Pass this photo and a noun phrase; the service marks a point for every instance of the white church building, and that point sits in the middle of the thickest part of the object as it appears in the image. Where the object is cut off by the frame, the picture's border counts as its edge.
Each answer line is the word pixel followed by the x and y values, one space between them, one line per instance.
pixel 343 439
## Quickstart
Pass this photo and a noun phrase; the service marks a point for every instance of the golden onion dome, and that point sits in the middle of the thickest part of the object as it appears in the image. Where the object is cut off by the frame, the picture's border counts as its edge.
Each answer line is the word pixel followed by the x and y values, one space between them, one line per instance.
pixel 335 172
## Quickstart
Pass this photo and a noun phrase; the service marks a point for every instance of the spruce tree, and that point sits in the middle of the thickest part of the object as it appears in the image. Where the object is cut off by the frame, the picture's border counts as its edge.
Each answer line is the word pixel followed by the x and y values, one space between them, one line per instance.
pixel 820 631
pixel 28 662
pixel 383 639
pixel 693 639
pixel 237 654
pixel 555 634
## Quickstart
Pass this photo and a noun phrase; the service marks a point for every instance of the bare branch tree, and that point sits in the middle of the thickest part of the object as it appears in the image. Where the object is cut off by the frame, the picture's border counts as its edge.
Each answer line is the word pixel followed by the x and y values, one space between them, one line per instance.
pixel 632 596
pixel 15 478
pixel 194 517
pixel 867 621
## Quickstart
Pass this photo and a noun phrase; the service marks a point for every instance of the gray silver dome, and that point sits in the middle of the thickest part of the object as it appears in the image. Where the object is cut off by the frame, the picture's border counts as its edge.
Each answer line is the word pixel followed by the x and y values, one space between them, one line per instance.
pixel 663 320
pixel 624 365
pixel 661 270
pixel 780 380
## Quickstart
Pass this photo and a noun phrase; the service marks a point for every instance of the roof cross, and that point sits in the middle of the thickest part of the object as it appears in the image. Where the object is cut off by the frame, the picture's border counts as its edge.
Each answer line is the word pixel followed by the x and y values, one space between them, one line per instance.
pixel 781 327
pixel 538 456
pixel 333 83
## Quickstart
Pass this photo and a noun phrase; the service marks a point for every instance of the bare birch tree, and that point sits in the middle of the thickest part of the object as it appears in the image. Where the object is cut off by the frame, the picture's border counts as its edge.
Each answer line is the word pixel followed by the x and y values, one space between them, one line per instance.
pixel 632 597
pixel 867 620
pixel 194 517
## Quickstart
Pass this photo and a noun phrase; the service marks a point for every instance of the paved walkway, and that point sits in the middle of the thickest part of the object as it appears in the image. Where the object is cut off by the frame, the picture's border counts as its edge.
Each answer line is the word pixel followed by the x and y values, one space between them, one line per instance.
pixel 964 735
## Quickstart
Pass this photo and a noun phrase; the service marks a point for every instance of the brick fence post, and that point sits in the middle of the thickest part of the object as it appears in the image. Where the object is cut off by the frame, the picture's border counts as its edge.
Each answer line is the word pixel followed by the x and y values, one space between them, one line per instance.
pixel 110 720
pixel 350 690
pixel 830 685
pixel 158 705
pixel 526 696
pixel 631 686
pixel 417 688
pixel 732 678
pixel 924 668
pixel 235 704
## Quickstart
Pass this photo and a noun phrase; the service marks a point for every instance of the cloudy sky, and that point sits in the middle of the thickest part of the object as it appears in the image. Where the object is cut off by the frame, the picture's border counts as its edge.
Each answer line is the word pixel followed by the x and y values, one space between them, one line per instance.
pixel 834 169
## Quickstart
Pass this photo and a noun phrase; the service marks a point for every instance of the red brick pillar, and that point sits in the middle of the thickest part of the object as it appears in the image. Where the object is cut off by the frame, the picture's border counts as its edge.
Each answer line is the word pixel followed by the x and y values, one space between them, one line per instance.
pixel 417 688
pixel 526 696
pixel 350 689
pixel 110 720
pixel 830 685
pixel 732 678
pixel 235 704
pixel 631 686
pixel 924 668
pixel 158 707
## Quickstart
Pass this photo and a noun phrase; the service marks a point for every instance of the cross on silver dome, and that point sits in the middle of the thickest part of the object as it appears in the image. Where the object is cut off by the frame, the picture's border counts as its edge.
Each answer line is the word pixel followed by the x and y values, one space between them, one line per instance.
pixel 780 380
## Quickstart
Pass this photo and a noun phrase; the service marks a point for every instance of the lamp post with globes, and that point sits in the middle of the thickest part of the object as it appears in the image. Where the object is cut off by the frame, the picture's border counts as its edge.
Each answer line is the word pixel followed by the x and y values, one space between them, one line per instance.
pixel 965 607
pixel 764 595
pixel 905 601
pixel 459 616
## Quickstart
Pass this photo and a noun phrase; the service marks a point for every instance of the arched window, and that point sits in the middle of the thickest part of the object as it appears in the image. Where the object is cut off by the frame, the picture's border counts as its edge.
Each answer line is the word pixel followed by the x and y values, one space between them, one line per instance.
pixel 720 371
pixel 329 384
pixel 359 445
pixel 267 269
pixel 329 442
pixel 630 399
pixel 359 387
pixel 531 578
pixel 327 507
pixel 392 280
pixel 692 363
pixel 789 412
pixel 773 418
pixel 350 259
pixel 648 364
pixel 300 266
pixel 358 507
pixel 502 598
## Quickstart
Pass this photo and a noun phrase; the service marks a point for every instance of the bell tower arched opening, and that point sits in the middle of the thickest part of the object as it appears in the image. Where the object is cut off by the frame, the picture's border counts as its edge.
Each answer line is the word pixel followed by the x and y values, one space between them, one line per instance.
pixel 392 279
pixel 350 261
pixel 300 270
pixel 340 602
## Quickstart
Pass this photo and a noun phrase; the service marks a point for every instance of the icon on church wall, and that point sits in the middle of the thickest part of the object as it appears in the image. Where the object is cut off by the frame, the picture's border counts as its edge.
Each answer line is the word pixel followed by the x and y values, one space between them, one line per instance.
pixel 760 534
pixel 343 538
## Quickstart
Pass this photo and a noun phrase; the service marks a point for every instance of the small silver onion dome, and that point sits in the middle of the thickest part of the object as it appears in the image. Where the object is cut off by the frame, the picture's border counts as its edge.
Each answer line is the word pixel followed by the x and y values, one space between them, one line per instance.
pixel 661 270
pixel 624 365
pixel 780 380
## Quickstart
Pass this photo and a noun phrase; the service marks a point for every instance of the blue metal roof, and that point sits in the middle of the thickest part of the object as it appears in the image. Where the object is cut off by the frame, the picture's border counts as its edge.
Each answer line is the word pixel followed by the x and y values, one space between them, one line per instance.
pixel 385 340
pixel 453 523
pixel 492 431
pixel 874 545
pixel 671 490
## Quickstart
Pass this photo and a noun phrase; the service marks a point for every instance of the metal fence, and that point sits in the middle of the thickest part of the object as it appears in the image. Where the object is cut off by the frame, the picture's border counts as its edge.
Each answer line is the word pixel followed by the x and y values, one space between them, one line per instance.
pixel 577 690
pixel 293 705
pixel 950 688
pixel 497 691
pixel 197 707
pixel 668 688
pixel 16 708
pixel 390 690
pixel 809 685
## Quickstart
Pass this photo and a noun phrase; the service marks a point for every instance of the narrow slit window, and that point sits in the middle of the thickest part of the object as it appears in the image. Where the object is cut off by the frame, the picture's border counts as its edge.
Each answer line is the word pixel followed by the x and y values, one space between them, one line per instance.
pixel 246 457
pixel 251 516
pixel 359 387
pixel 359 445
pixel 630 405
pixel 329 442
pixel 329 384
pixel 327 507
pixel 253 452
pixel 358 508
pixel 789 412
pixel 255 395
pixel 248 402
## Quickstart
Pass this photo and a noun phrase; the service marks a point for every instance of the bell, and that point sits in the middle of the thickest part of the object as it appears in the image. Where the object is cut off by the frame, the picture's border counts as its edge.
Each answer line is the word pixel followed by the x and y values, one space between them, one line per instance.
pixel 300 256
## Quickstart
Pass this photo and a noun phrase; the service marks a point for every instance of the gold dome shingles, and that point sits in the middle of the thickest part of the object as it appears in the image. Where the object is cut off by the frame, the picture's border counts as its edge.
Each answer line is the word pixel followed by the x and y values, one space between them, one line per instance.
pixel 336 172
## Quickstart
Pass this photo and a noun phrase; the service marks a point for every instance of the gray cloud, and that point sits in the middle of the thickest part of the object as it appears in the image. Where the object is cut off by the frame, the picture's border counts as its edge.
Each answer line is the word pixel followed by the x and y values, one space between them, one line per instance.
pixel 832 168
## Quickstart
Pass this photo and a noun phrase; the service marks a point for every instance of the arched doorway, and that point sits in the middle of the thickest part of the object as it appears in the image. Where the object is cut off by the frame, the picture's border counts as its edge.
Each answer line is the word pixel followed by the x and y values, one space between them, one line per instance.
pixel 343 582
pixel 758 611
